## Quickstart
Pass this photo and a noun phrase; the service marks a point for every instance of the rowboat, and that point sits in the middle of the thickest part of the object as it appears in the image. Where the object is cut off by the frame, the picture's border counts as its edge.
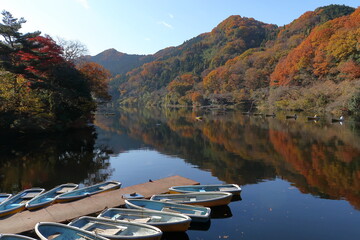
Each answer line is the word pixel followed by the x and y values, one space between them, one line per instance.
pixel 314 118
pixel 4 197
pixel 341 119
pixel 14 237
pixel 231 188
pixel 88 191
pixel 17 202
pixel 48 197
pixel 206 199
pixel 165 221
pixel 291 116
pixel 197 213
pixel 114 229
pixel 50 230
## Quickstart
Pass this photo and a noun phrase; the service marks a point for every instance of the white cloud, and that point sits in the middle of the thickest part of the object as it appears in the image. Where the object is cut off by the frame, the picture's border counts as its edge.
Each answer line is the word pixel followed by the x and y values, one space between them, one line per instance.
pixel 166 24
pixel 147 39
pixel 84 3
pixel 171 16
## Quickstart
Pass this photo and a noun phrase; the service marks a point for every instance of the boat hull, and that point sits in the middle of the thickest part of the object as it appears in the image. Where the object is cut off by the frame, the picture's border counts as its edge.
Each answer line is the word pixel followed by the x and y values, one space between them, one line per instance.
pixel 313 118
pixel 196 213
pixel 230 188
pixel 166 222
pixel 17 202
pixel 12 211
pixel 88 191
pixel 210 199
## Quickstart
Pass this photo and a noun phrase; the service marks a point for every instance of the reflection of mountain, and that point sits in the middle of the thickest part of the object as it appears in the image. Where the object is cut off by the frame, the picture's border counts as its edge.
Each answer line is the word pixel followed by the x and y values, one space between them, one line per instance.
pixel 323 160
pixel 48 161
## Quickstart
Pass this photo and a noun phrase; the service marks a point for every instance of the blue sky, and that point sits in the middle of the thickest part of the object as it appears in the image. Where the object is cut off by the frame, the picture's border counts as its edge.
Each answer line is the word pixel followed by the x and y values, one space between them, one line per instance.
pixel 146 26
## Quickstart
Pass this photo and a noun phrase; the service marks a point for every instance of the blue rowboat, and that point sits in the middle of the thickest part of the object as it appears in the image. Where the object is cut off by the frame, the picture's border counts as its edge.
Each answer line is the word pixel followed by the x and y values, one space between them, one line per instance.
pixel 197 213
pixel 17 202
pixel 88 191
pixel 231 188
pixel 205 199
pixel 165 221
pixel 48 197
pixel 4 197
pixel 114 229
pixel 50 230
pixel 14 237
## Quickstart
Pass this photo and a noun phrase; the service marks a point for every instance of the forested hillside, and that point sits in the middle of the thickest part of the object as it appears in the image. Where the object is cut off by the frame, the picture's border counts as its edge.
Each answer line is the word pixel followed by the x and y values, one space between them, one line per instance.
pixel 311 63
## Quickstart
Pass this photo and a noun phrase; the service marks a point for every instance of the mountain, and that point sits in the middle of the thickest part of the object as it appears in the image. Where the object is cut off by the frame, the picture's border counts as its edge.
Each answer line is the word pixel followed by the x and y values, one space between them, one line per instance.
pixel 118 62
pixel 245 59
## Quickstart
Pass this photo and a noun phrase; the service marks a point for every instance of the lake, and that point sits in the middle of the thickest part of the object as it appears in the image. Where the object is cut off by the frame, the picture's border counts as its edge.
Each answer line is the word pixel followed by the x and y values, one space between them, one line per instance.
pixel 300 179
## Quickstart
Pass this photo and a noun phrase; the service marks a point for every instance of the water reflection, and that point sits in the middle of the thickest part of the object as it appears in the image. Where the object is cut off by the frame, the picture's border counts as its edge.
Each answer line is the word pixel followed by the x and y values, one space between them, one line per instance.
pixel 221 212
pixel 318 158
pixel 47 161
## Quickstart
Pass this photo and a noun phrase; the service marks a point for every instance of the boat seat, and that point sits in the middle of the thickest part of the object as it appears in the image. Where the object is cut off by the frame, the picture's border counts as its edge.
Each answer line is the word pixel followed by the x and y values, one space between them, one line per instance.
pixel 197 212
pixel 156 218
pixel 108 186
pixel 192 199
pixel 141 220
pixel 109 231
pixel 165 200
pixel 65 190
pixel 30 195
pixel 225 189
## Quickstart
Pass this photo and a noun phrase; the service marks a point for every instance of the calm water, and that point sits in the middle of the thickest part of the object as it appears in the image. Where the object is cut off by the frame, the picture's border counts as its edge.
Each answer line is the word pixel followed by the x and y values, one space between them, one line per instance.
pixel 300 179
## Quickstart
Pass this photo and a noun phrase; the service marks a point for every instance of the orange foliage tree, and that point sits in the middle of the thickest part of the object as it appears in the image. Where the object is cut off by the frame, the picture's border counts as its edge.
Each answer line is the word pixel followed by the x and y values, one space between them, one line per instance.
pixel 98 78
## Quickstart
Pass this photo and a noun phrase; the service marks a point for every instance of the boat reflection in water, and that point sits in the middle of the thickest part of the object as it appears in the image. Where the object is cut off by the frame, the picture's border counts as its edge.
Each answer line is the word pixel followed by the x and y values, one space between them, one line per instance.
pixel 175 236
pixel 221 212
pixel 200 226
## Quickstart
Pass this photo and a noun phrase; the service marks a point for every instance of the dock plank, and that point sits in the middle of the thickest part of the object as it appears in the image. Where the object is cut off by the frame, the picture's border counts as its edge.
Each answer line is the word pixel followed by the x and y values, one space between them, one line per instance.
pixel 64 212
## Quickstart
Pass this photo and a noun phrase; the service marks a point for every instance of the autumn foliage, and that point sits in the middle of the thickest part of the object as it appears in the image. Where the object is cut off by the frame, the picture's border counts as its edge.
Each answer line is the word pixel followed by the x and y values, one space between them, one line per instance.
pixel 330 49
pixel 241 57
pixel 39 89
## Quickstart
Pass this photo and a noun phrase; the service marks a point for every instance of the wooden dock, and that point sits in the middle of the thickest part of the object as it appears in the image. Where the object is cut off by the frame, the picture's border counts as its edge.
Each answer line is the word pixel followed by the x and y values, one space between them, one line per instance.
pixel 64 212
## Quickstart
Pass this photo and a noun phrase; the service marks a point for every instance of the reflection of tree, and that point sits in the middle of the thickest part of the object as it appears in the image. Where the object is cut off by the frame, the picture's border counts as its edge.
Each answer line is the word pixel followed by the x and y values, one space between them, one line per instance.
pixel 320 159
pixel 46 161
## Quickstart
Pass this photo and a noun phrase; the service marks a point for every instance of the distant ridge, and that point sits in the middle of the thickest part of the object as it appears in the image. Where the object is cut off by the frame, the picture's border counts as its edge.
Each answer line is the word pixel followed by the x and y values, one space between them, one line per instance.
pixel 117 62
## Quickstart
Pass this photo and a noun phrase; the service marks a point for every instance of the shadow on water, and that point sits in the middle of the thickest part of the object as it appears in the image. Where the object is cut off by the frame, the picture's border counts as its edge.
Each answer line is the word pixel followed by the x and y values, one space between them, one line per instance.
pixel 200 226
pixel 175 236
pixel 47 161
pixel 221 212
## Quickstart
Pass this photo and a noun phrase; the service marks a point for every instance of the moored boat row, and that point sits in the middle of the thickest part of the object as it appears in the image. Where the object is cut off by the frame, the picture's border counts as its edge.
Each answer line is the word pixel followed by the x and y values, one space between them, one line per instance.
pixel 35 198
pixel 143 219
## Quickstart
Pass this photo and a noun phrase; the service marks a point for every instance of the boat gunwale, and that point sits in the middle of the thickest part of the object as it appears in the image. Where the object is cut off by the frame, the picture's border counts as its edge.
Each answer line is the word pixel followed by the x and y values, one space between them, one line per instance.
pixel 64 198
